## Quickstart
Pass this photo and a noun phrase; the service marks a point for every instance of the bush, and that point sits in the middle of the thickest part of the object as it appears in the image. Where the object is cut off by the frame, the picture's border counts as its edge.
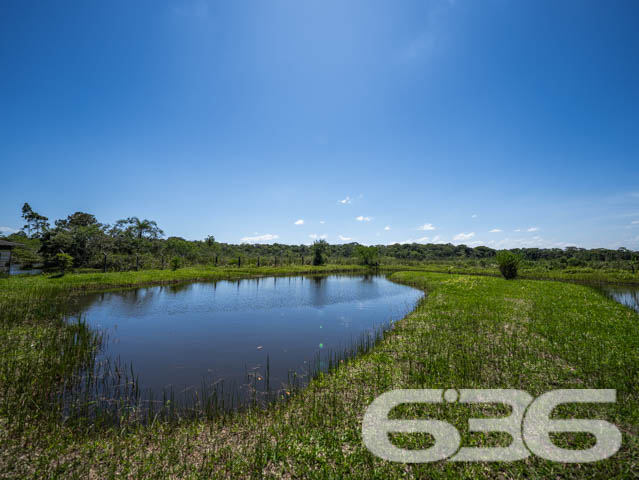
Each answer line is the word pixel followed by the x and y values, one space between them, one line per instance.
pixel 63 262
pixel 176 262
pixel 508 263
pixel 319 249
pixel 575 262
pixel 367 255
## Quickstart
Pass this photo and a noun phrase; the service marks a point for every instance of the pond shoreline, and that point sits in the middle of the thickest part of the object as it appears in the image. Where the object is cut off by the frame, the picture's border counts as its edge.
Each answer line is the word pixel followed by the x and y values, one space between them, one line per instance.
pixel 256 333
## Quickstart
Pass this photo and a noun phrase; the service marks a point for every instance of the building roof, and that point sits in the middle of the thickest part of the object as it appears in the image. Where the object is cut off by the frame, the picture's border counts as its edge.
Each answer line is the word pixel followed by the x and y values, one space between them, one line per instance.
pixel 4 243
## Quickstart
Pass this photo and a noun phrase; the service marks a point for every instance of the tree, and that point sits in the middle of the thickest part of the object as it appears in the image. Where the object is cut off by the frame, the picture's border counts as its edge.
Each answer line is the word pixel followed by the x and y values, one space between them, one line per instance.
pixel 367 255
pixel 179 246
pixel 319 249
pixel 137 233
pixel 508 263
pixel 176 262
pixel 36 222
pixel 210 240
pixel 80 235
pixel 141 228
pixel 63 262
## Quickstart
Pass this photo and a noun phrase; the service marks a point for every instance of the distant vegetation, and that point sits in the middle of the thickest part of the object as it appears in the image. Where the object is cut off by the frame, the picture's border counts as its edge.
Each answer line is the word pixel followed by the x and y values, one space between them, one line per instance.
pixel 133 244
pixel 367 255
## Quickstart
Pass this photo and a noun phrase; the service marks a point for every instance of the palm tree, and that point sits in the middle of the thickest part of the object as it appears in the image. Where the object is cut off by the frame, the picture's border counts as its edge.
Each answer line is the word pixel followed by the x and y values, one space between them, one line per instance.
pixel 140 230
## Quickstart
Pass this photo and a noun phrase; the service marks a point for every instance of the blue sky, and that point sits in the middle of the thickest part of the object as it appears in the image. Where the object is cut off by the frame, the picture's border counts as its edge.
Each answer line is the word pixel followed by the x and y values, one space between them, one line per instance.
pixel 503 123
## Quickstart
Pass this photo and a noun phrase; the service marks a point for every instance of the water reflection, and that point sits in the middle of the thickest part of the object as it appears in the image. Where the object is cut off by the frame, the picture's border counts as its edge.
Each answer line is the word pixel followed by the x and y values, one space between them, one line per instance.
pixel 628 296
pixel 177 335
pixel 16 269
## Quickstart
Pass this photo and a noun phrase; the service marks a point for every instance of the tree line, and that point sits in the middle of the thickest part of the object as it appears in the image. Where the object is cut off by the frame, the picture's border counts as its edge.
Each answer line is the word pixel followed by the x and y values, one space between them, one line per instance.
pixel 135 243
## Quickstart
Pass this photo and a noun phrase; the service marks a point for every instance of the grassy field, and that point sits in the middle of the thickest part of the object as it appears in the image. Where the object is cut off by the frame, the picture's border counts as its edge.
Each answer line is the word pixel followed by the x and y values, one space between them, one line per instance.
pixel 469 332
pixel 534 271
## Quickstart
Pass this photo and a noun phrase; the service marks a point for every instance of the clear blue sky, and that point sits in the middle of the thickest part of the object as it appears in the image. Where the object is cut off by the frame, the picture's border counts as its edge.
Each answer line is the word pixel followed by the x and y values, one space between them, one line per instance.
pixel 240 118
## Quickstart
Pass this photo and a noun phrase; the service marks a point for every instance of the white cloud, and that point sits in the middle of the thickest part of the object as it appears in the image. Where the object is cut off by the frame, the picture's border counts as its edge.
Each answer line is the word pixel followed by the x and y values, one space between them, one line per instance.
pixel 315 236
pixel 345 239
pixel 299 222
pixel 533 229
pixel 535 242
pixel 495 230
pixel 267 237
pixel 517 230
pixel 346 201
pixel 361 218
pixel 437 239
pixel 634 222
pixel 387 228
pixel 426 226
pixel 464 236
pixel 7 230
pixel 322 222
pixel 474 215
pixel 415 240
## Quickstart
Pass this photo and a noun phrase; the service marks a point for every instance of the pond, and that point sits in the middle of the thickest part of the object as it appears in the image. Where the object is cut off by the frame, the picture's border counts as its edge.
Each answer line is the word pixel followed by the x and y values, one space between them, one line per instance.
pixel 17 269
pixel 261 333
pixel 628 296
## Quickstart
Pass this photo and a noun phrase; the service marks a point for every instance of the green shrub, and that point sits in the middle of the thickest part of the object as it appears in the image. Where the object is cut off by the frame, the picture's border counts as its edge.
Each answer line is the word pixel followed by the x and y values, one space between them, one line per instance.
pixel 319 250
pixel 575 262
pixel 176 262
pixel 508 263
pixel 367 255
pixel 63 262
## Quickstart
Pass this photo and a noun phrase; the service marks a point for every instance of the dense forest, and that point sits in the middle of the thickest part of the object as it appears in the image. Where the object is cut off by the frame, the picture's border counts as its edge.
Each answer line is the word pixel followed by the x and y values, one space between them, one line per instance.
pixel 134 243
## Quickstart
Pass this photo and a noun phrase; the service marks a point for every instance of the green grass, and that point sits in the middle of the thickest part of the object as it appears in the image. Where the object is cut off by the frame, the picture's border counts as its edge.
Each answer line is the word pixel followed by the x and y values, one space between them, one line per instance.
pixel 469 332
pixel 534 271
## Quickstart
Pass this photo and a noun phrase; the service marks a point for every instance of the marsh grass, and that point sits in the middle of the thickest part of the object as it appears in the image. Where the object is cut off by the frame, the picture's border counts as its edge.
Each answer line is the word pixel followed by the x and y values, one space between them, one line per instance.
pixel 107 393
pixel 469 332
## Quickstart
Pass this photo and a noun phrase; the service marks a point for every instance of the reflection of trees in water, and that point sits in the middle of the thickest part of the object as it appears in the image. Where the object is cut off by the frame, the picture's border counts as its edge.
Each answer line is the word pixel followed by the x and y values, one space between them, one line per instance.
pixel 629 297
pixel 635 298
pixel 317 290
pixel 128 300
pixel 318 281
pixel 632 299
pixel 178 287
pixel 137 301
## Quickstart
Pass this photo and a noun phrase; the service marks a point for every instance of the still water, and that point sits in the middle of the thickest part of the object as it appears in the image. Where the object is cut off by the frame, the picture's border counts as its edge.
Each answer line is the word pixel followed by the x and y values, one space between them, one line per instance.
pixel 16 269
pixel 176 337
pixel 628 296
